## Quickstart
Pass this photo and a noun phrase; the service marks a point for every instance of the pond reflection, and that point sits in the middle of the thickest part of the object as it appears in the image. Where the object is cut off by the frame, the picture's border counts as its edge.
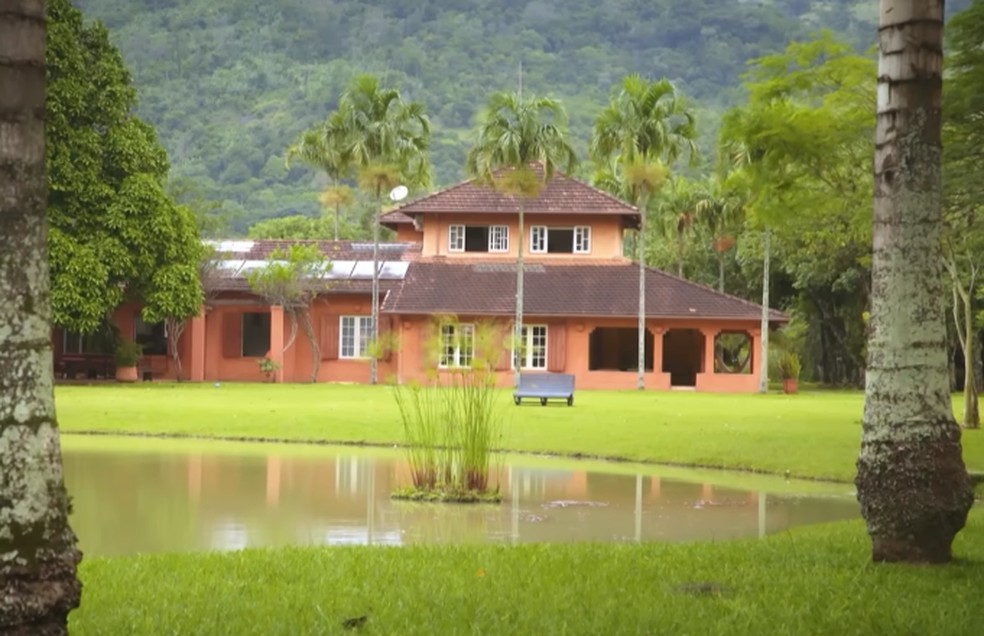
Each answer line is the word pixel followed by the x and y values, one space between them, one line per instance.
pixel 232 496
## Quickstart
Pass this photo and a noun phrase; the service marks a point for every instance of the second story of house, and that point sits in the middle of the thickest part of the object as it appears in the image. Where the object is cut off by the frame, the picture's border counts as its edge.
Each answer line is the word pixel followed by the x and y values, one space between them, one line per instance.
pixel 568 220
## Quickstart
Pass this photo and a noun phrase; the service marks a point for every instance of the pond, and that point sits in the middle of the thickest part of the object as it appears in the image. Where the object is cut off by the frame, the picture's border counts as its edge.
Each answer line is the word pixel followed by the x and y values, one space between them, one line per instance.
pixel 137 496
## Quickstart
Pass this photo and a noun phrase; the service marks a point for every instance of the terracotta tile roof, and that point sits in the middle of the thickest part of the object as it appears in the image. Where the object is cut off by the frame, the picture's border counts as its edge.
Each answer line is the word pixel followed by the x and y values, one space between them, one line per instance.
pixel 561 195
pixel 433 286
pixel 394 218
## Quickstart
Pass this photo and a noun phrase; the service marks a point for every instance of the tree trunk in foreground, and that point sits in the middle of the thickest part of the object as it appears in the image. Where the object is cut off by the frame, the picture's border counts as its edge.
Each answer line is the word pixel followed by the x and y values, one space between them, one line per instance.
pixel 38 586
pixel 912 484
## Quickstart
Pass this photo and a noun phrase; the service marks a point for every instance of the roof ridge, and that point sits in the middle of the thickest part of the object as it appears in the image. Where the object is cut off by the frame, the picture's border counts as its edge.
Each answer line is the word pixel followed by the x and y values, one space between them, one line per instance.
pixel 478 182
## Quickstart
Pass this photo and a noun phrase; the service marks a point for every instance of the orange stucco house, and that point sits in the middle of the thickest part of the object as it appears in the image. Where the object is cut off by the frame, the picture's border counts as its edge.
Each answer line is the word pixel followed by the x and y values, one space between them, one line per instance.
pixel 454 255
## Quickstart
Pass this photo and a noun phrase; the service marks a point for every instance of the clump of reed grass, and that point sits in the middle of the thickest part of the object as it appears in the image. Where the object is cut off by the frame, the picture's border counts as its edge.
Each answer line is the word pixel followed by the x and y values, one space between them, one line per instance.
pixel 452 422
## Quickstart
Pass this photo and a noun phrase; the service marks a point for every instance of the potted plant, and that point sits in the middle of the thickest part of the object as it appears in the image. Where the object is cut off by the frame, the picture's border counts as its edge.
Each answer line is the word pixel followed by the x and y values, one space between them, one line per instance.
pixel 268 368
pixel 127 354
pixel 789 368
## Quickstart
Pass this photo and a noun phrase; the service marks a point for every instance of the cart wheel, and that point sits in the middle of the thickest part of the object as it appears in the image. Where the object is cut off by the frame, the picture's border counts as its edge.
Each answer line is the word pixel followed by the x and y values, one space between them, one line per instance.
pixel 543 401
pixel 570 401
pixel 517 400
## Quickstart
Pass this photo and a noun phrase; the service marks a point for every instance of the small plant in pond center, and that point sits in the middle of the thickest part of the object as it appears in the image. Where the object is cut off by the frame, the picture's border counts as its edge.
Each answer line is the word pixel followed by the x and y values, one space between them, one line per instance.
pixel 452 421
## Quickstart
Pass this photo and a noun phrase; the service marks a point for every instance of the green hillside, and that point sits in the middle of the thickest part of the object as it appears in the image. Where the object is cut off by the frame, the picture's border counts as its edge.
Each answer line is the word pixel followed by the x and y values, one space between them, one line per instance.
pixel 229 83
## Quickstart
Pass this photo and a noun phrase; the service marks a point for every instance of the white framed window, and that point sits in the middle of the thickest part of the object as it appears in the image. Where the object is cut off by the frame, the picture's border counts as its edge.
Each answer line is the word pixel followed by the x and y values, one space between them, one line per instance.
pixel 582 239
pixel 538 239
pixel 457 345
pixel 456 238
pixel 354 336
pixel 560 240
pixel 478 238
pixel 532 353
pixel 499 238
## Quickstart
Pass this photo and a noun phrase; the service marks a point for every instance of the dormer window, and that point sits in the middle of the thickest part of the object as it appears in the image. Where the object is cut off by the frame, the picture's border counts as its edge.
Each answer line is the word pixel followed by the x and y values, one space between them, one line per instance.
pixel 560 240
pixel 478 238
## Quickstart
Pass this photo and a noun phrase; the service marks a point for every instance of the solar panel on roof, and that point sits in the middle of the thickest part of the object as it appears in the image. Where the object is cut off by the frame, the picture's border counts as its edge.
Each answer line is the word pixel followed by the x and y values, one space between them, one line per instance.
pixel 341 269
pixel 362 269
pixel 394 270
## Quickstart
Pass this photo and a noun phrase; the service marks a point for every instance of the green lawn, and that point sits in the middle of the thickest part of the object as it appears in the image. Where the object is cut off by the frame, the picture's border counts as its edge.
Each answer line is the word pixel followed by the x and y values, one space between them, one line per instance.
pixel 812 434
pixel 811 581
pixel 815 580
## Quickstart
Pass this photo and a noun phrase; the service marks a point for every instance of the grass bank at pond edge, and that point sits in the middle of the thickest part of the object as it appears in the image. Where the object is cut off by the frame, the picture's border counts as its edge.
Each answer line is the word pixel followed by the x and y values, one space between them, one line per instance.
pixel 811 435
pixel 808 581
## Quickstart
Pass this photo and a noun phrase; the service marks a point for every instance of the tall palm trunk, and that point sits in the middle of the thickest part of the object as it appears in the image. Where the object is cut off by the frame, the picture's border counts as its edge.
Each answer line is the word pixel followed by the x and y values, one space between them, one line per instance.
pixel 520 276
pixel 38 557
pixel 373 359
pixel 641 369
pixel 912 483
pixel 764 326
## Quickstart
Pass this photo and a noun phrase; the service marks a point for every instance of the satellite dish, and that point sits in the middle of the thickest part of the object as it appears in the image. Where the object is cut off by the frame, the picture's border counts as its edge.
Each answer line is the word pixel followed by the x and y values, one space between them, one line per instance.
pixel 399 193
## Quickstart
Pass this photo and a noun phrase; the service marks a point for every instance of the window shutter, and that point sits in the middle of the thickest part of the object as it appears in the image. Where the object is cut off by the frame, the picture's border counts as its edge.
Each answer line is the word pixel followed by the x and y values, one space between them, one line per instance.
pixel 556 348
pixel 232 334
pixel 329 337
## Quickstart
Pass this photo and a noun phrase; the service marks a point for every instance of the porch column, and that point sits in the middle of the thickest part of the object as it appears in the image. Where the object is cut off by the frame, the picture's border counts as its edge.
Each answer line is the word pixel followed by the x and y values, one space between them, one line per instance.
pixel 657 347
pixel 709 336
pixel 197 371
pixel 755 335
pixel 277 341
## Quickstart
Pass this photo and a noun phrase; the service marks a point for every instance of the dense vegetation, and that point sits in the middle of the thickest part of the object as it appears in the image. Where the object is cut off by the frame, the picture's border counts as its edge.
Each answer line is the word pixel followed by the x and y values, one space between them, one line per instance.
pixel 230 83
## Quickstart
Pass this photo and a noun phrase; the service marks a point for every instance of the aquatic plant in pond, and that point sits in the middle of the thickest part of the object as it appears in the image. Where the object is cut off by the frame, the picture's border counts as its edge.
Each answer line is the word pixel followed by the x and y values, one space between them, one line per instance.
pixel 452 421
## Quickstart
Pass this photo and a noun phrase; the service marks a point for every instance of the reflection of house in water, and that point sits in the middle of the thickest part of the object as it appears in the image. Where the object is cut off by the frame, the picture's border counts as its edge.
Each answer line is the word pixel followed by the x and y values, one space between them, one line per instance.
pixel 129 503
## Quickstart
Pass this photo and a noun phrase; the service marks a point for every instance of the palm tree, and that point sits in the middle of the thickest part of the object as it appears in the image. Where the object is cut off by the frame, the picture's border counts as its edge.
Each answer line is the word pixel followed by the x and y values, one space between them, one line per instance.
pixel 516 135
pixel 720 207
pixel 387 140
pixel 646 125
pixel 38 584
pixel 324 147
pixel 912 484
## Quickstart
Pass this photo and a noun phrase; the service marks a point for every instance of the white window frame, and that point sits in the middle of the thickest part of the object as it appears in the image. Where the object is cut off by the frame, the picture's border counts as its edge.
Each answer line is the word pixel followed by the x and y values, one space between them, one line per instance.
pixel 361 327
pixel 456 238
pixel 498 238
pixel 582 239
pixel 538 239
pixel 526 355
pixel 457 346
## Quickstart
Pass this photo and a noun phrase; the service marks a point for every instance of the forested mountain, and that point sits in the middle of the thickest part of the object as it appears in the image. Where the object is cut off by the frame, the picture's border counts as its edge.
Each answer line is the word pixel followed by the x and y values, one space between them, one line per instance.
pixel 230 83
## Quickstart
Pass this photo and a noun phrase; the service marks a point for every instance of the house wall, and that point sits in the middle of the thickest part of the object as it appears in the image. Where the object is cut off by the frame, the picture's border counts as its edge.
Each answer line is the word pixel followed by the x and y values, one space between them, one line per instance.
pixel 413 352
pixel 606 234
pixel 416 359
pixel 406 234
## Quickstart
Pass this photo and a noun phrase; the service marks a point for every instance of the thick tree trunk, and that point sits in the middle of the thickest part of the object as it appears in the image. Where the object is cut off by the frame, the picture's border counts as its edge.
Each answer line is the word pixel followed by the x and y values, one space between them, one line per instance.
pixel 175 328
pixel 304 317
pixel 38 557
pixel 912 483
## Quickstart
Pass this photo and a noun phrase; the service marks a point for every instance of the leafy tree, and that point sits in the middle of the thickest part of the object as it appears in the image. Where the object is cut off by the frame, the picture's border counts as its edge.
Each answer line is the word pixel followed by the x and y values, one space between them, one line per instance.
pixel 295 227
pixel 325 147
pixel 912 483
pixel 516 135
pixel 387 139
pixel 646 126
pixel 38 554
pixel 963 132
pixel 292 279
pixel 721 209
pixel 115 235
pixel 802 143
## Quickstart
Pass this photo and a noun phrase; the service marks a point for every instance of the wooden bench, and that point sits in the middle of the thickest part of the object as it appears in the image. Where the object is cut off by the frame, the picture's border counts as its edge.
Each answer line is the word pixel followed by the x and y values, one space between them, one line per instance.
pixel 545 386
pixel 92 365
